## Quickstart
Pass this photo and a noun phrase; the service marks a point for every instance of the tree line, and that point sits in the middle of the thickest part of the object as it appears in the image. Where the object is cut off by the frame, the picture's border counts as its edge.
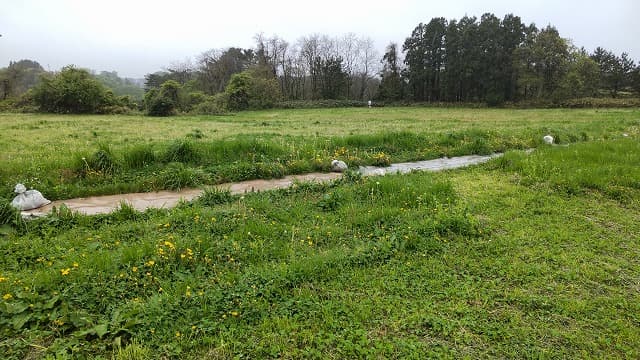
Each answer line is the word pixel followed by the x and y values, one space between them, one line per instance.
pixel 496 60
pixel 470 60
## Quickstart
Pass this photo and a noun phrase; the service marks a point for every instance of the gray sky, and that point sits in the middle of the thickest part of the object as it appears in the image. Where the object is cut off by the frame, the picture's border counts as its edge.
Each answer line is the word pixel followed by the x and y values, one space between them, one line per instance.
pixel 136 37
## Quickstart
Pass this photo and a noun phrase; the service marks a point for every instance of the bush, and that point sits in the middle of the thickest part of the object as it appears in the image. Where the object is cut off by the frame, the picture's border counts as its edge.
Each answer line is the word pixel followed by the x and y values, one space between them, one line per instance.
pixel 72 91
pixel 213 105
pixel 319 104
pixel 163 101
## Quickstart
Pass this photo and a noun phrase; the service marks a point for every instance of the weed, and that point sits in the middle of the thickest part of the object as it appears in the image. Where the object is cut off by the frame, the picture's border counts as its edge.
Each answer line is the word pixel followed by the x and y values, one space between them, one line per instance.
pixel 215 196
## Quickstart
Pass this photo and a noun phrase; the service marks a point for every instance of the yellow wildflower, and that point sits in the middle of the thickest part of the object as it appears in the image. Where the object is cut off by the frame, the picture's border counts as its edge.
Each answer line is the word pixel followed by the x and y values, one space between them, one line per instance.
pixel 150 263
pixel 64 272
pixel 178 334
pixel 58 322
pixel 235 313
pixel 134 269
pixel 75 264
pixel 2 278
pixel 7 296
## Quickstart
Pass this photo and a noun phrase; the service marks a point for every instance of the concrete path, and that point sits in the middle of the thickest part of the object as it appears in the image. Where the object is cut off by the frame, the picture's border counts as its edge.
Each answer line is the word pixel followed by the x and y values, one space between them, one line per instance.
pixel 167 199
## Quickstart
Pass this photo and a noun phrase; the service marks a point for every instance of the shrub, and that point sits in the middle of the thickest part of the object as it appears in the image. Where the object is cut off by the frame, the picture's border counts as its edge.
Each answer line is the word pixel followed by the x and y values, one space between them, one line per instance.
pixel 213 105
pixel 72 91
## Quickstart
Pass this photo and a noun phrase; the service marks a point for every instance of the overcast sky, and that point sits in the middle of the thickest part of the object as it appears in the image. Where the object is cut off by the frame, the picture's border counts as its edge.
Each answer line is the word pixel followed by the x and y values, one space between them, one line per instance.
pixel 136 37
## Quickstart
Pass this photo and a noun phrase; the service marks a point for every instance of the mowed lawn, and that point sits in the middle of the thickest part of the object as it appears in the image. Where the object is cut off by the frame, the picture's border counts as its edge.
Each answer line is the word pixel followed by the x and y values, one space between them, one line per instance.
pixel 528 256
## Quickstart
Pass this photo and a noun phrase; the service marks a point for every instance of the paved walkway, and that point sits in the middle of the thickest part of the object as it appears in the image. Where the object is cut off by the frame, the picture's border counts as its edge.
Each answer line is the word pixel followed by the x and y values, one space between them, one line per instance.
pixel 167 199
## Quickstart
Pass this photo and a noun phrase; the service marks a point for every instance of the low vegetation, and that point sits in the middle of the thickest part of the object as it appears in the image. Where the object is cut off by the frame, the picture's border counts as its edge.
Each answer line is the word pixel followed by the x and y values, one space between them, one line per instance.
pixel 530 255
pixel 72 156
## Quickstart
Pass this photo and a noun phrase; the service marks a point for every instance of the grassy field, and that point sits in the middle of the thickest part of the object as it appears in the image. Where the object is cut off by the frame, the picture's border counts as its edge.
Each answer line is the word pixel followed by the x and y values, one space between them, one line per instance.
pixel 528 256
pixel 71 156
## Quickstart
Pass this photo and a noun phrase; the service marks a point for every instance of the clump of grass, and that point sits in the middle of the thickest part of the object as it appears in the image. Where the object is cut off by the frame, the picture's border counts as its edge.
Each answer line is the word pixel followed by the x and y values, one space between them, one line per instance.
pixel 381 159
pixel 139 156
pixel 177 176
pixel 8 214
pixel 135 350
pixel 183 151
pixel 196 134
pixel 125 212
pixel 215 196
pixel 100 163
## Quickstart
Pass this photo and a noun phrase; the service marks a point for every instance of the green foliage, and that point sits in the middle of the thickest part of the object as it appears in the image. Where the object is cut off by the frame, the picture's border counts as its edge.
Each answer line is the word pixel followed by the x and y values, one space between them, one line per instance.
pixel 275 143
pixel 238 91
pixel 120 87
pixel 17 78
pixel 8 214
pixel 252 89
pixel 72 90
pixel 468 257
pixel 166 100
pixel 139 156
pixel 607 168
pixel 214 196
pixel 181 151
pixel 101 162
pixel 177 176
pixel 213 105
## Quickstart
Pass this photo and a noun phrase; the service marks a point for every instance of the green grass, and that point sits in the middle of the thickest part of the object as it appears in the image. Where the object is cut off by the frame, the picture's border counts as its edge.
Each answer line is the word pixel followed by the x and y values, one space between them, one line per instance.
pixel 70 156
pixel 528 256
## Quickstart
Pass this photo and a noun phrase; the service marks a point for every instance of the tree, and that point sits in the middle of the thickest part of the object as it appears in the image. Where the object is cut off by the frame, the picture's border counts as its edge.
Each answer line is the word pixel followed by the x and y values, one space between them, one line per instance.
pixel 332 78
pixel 551 54
pixel 391 86
pixel 425 59
pixel 217 66
pixel 512 36
pixel 72 90
pixel 582 78
pixel 163 101
pixel 120 86
pixel 19 77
